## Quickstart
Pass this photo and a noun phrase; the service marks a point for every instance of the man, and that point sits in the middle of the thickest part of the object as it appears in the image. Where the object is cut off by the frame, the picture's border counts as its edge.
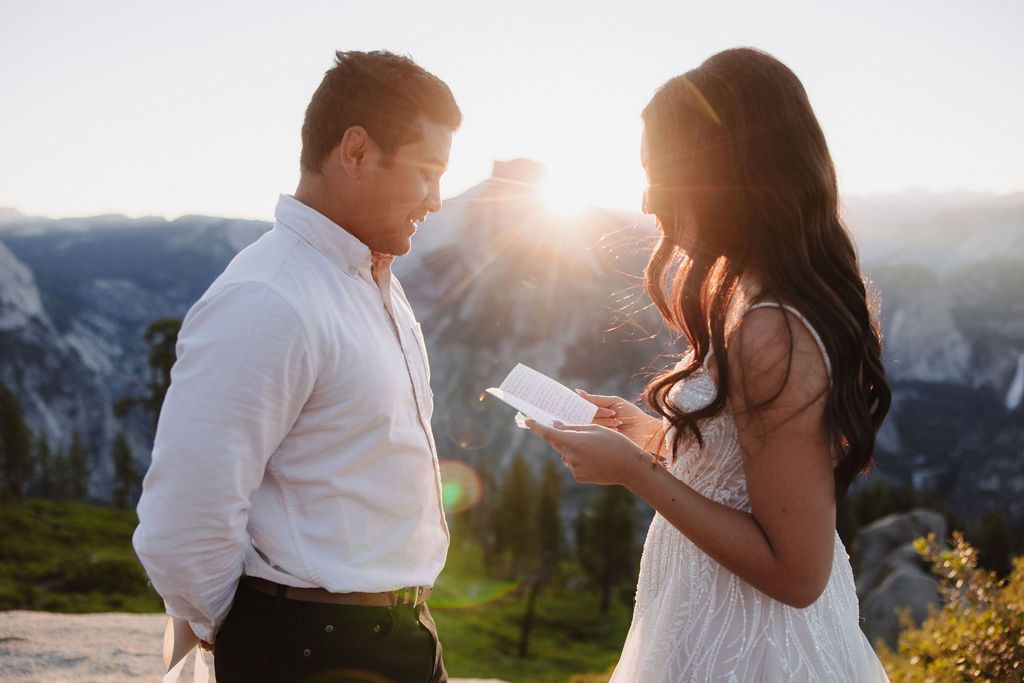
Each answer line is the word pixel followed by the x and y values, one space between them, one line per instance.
pixel 292 512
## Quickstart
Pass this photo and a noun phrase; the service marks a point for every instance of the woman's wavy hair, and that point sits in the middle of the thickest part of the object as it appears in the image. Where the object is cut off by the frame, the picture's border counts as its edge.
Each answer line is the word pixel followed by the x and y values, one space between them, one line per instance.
pixel 736 157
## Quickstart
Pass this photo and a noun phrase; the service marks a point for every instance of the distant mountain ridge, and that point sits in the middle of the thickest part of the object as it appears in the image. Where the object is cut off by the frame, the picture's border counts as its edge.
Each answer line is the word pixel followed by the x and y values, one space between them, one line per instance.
pixel 99 283
pixel 498 278
pixel 10 214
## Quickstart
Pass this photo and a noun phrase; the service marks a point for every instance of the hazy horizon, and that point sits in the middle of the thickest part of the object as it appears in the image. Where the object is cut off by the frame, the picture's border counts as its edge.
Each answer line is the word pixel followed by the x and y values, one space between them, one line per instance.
pixel 14 213
pixel 142 108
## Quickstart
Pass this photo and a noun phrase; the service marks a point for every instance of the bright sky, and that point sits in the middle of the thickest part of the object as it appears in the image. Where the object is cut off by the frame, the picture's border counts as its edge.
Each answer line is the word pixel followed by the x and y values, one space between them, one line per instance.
pixel 194 106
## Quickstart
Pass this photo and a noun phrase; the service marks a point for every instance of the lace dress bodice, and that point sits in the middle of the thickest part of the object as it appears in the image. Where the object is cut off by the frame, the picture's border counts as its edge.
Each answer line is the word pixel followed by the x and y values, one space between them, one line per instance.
pixel 694 620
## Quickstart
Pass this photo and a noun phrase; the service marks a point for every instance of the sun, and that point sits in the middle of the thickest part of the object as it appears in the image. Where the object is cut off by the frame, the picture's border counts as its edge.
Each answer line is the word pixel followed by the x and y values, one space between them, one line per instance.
pixel 566 193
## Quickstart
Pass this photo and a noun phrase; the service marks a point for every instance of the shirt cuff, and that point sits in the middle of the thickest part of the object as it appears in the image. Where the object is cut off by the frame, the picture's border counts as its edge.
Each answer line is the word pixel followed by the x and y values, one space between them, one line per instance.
pixel 203 632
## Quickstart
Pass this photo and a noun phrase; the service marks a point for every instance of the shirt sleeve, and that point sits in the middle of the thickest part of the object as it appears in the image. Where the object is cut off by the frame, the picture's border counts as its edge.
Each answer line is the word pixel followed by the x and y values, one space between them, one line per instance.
pixel 244 370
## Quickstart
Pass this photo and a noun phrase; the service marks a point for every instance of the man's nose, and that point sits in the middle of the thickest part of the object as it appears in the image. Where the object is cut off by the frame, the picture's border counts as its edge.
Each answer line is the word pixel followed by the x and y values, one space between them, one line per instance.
pixel 433 202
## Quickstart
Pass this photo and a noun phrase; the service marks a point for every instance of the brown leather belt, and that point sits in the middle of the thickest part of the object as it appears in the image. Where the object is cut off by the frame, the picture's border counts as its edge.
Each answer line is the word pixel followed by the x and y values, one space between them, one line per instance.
pixel 414 595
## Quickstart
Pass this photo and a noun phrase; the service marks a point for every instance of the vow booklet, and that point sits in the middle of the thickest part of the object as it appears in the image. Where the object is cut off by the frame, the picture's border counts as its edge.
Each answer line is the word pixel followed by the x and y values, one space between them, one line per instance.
pixel 542 398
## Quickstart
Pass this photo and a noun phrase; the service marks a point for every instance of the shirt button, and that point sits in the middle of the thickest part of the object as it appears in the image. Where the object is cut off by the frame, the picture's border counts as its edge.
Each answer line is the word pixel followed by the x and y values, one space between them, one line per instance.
pixel 376 628
pixel 306 653
pixel 328 628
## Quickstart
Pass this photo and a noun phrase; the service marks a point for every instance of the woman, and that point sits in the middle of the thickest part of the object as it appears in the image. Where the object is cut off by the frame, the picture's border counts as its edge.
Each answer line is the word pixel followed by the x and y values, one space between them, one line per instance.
pixel 762 427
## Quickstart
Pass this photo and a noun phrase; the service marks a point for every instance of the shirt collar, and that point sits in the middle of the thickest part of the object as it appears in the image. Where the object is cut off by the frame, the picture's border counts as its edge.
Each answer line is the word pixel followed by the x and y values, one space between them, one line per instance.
pixel 326 236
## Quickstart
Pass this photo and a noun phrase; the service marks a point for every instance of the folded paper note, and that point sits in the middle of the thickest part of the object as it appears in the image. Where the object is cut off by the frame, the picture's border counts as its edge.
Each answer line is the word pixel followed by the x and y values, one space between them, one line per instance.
pixel 538 396
pixel 179 642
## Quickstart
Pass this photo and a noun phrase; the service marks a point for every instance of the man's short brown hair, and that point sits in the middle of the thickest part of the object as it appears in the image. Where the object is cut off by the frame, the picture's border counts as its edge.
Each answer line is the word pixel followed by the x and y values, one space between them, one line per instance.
pixel 384 93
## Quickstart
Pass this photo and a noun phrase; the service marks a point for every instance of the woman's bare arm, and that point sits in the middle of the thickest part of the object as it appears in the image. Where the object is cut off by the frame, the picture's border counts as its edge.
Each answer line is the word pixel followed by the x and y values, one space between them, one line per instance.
pixel 784 545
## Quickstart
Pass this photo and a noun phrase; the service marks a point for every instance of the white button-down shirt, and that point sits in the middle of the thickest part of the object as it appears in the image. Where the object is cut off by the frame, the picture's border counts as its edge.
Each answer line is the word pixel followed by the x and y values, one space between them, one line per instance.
pixel 294 443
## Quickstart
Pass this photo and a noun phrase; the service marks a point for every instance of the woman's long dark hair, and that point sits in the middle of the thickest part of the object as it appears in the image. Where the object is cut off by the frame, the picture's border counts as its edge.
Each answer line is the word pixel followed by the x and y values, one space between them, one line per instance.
pixel 742 183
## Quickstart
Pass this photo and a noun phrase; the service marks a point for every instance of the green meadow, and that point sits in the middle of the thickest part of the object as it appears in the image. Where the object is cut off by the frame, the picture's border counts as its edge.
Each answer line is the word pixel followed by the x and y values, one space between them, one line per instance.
pixel 73 557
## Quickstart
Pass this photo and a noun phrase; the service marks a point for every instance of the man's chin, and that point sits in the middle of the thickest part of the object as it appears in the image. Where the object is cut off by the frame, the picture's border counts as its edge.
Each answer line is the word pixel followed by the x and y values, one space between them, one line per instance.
pixel 399 249
pixel 395 244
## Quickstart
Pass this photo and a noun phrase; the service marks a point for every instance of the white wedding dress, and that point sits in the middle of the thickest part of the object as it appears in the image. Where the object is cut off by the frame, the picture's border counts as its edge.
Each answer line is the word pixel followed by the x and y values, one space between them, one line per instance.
pixel 694 620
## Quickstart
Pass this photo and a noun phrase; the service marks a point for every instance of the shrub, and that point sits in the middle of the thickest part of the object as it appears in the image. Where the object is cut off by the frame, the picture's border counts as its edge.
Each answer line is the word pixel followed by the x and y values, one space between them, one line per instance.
pixel 979 632
pixel 102 572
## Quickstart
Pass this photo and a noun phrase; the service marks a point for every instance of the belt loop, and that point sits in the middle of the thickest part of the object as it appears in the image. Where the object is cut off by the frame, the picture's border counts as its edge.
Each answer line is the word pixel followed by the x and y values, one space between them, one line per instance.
pixel 410 595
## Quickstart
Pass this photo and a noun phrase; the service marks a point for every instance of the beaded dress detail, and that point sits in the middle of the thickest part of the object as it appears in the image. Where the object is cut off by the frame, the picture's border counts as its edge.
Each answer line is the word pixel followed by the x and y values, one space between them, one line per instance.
pixel 694 620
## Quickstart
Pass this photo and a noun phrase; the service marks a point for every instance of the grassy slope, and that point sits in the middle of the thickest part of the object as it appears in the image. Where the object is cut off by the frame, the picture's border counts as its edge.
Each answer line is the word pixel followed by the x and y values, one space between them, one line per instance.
pixel 71 557
pixel 569 635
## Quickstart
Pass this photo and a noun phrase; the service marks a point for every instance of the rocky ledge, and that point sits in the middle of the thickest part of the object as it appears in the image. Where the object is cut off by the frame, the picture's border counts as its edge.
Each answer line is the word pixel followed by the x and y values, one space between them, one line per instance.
pixel 42 647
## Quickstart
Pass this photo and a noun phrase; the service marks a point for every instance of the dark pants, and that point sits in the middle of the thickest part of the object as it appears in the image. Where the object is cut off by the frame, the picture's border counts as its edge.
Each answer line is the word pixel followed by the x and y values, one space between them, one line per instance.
pixel 272 639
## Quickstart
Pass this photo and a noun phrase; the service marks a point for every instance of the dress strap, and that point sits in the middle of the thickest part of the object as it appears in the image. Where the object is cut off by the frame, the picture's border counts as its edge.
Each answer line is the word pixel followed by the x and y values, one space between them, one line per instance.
pixel 810 328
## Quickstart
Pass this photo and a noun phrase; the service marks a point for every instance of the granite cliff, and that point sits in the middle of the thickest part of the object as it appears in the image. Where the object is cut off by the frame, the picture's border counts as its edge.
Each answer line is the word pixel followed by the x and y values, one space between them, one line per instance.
pixel 498 277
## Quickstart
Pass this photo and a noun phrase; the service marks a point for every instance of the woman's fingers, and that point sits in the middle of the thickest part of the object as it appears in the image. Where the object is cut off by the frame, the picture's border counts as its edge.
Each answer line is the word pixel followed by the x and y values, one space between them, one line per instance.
pixel 577 428
pixel 537 428
pixel 560 437
pixel 604 404
pixel 549 434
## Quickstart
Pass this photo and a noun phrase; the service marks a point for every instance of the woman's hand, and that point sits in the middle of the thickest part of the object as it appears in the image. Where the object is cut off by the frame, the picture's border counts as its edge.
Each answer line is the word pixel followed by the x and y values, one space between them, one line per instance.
pixel 626 418
pixel 595 454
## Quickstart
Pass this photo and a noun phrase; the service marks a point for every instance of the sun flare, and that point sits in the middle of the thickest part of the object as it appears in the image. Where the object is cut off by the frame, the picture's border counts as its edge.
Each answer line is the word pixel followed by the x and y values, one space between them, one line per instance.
pixel 567 194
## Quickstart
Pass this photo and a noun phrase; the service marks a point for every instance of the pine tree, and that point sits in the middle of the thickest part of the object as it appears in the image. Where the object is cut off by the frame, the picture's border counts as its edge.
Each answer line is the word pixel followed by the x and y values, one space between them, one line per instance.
pixel 162 337
pixel 78 469
pixel 480 518
pixel 549 521
pixel 61 476
pixel 44 467
pixel 605 542
pixel 126 478
pixel 15 445
pixel 548 546
pixel 993 541
pixel 513 531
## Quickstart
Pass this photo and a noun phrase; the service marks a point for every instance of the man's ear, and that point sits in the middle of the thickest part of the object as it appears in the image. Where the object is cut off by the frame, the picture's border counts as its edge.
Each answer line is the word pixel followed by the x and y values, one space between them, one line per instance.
pixel 353 149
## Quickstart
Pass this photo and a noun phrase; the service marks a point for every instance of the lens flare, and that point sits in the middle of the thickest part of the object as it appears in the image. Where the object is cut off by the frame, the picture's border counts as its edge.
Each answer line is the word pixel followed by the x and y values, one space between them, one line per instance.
pixel 466 594
pixel 460 487
pixel 466 432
